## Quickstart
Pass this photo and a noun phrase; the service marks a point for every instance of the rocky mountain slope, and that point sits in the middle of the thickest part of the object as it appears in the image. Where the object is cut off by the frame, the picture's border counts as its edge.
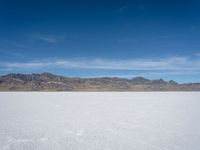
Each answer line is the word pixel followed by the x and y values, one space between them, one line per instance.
pixel 51 82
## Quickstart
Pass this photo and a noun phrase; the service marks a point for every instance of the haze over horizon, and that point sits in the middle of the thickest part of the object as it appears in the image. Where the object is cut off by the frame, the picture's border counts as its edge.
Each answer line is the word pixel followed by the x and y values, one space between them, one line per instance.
pixel 123 38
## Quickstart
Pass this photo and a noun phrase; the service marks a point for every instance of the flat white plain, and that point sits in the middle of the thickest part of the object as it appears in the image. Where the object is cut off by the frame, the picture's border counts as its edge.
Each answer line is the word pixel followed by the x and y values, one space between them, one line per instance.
pixel 99 121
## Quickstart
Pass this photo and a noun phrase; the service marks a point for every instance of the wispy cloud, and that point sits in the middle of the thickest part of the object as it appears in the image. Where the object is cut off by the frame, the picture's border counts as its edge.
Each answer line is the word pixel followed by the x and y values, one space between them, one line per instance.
pixel 5 43
pixel 11 53
pixel 163 64
pixel 45 38
pixel 135 39
pixel 141 7
pixel 122 9
pixel 125 8
pixel 11 48
pixel 197 54
pixel 126 40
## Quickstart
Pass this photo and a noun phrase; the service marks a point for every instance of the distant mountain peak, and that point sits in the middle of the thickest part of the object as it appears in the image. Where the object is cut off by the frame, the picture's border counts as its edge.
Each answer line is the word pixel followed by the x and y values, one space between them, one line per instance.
pixel 50 82
pixel 139 80
pixel 173 82
pixel 47 74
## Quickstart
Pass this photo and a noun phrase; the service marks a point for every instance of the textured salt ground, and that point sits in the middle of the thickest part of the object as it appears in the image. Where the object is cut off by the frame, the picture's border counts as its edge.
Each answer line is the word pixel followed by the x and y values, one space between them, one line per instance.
pixel 99 121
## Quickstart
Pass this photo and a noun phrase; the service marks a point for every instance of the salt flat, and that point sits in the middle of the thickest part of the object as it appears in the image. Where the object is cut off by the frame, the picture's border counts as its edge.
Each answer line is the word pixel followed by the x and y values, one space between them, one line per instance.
pixel 99 121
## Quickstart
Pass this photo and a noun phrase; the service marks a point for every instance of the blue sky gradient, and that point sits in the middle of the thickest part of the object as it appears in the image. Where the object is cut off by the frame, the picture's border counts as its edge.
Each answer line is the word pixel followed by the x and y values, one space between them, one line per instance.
pixel 93 38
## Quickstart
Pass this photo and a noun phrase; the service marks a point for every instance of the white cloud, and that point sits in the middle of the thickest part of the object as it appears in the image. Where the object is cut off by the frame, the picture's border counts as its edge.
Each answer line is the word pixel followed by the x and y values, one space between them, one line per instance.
pixel 163 64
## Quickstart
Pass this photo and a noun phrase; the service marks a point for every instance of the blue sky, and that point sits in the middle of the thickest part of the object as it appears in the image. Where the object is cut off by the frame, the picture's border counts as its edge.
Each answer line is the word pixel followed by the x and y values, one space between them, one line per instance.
pixel 94 38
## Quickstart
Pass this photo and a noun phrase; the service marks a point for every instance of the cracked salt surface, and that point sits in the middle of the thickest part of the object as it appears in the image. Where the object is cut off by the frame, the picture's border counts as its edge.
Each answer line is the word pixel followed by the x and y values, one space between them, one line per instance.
pixel 100 121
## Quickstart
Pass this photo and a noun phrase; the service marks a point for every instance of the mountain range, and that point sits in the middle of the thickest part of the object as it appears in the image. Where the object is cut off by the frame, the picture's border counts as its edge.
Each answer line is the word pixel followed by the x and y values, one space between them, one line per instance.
pixel 51 82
